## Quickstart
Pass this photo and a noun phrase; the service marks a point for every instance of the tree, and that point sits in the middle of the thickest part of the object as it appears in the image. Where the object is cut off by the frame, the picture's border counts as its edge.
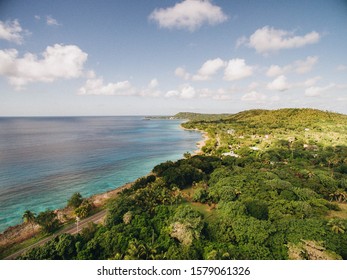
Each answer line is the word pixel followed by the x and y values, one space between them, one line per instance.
pixel 339 196
pixel 249 230
pixel 186 225
pixel 75 200
pixel 136 250
pixel 200 195
pixel 84 209
pixel 187 155
pixel 48 221
pixel 65 246
pixel 29 217
pixel 336 226
pixel 257 209
pixel 182 176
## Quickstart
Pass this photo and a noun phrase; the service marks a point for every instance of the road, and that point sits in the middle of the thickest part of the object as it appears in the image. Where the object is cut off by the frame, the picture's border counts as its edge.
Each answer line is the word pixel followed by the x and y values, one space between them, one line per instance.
pixel 71 229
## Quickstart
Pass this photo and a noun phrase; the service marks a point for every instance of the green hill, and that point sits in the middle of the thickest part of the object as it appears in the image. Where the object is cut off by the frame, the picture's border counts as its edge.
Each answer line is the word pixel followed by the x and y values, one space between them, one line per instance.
pixel 200 117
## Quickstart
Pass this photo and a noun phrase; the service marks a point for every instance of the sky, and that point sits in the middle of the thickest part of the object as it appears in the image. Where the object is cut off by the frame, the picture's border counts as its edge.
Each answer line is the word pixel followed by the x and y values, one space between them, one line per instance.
pixel 161 57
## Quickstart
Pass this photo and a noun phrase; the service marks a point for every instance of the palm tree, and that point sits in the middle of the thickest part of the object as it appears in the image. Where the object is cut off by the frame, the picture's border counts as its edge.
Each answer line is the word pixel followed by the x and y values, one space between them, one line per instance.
pixel 29 217
pixel 237 193
pixel 176 195
pixel 339 196
pixel 336 226
pixel 135 251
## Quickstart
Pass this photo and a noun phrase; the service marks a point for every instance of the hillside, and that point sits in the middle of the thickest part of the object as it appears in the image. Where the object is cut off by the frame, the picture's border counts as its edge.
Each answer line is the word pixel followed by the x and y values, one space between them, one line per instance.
pixel 263 127
pixel 270 185
pixel 200 117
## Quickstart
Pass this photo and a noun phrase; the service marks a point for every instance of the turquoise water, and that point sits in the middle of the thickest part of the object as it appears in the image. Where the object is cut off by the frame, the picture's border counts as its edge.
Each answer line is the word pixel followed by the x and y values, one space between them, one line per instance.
pixel 43 161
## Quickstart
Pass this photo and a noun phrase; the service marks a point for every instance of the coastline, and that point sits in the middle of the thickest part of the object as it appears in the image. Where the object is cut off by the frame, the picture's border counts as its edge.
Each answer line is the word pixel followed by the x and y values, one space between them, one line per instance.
pixel 24 231
pixel 200 144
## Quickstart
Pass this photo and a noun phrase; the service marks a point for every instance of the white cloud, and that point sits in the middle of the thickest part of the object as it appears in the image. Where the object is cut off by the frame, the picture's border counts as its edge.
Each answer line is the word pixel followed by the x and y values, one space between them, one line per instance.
pixel 90 74
pixel 11 31
pixel 216 94
pixel 275 70
pixel 184 92
pixel 52 21
pixel 57 62
pixel 96 86
pixel 153 83
pixel 312 81
pixel 241 41
pixel 299 66
pixel 151 90
pixel 189 14
pixel 280 84
pixel 317 91
pixel 254 96
pixel 182 73
pixel 341 67
pixel 222 97
pixel 305 66
pixel 237 69
pixel 253 85
pixel 208 69
pixel 172 93
pixel 187 92
pixel 269 39
pixel 341 86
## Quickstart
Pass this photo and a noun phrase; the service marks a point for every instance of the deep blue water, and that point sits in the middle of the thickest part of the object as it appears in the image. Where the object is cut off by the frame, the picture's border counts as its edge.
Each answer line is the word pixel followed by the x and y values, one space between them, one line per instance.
pixel 43 161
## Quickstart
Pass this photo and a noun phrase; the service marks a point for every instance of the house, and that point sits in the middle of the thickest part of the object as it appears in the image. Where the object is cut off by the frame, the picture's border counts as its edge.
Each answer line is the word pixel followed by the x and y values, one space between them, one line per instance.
pixel 231 153
pixel 231 131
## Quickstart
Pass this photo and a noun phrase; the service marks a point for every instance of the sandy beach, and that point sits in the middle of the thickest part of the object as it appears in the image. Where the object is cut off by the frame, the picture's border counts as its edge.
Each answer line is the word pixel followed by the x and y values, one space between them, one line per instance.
pixel 200 143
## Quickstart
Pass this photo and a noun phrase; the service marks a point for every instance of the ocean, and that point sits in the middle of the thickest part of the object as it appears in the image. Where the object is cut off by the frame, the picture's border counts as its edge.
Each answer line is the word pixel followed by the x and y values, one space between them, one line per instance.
pixel 44 160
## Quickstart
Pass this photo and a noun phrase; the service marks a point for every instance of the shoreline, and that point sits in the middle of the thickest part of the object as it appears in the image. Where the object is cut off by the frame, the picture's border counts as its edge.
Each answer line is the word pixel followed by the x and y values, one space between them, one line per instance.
pixel 200 144
pixel 24 231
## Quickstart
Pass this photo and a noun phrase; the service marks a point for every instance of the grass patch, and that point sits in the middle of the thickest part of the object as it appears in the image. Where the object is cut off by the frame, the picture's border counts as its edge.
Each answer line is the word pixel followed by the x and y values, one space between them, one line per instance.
pixel 206 210
pixel 342 214
pixel 13 248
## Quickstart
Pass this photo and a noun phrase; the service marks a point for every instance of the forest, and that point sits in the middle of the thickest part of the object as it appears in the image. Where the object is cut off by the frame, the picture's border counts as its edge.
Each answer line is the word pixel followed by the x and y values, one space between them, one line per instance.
pixel 267 185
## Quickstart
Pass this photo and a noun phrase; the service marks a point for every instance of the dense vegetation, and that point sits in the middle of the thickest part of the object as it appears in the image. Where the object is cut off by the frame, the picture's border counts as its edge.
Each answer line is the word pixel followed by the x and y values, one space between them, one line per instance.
pixel 270 185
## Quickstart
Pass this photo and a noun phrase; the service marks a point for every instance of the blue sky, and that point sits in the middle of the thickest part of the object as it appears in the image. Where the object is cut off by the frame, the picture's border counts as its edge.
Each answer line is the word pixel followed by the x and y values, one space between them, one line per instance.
pixel 162 57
